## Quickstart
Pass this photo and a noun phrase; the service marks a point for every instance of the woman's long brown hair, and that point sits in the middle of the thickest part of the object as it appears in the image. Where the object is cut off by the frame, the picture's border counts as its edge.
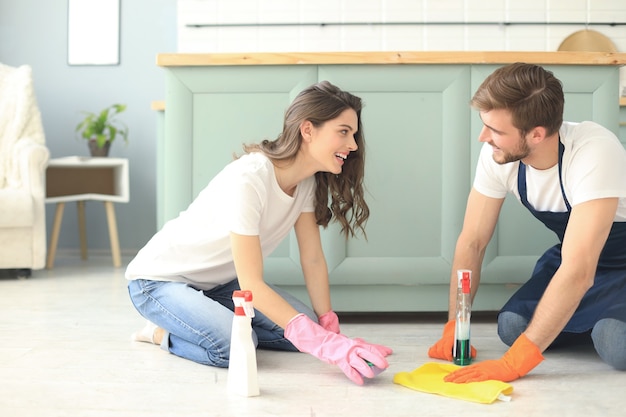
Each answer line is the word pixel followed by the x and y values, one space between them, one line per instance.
pixel 319 103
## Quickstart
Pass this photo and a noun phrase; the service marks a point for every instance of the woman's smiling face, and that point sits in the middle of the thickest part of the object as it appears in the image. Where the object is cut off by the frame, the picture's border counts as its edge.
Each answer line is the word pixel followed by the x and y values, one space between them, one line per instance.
pixel 331 143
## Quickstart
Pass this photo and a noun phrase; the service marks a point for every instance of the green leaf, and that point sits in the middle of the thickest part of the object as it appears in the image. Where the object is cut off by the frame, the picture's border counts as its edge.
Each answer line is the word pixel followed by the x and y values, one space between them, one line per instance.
pixel 103 126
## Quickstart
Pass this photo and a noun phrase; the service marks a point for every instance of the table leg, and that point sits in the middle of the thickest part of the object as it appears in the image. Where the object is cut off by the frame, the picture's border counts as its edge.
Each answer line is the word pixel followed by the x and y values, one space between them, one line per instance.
pixel 54 239
pixel 82 231
pixel 115 243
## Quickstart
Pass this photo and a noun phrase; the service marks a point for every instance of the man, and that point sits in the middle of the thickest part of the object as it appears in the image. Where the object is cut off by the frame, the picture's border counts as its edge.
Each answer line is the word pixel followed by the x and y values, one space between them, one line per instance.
pixel 572 178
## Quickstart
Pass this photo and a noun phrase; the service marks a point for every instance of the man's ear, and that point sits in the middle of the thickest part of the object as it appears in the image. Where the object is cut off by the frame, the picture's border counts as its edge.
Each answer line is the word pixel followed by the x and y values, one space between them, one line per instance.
pixel 306 127
pixel 537 134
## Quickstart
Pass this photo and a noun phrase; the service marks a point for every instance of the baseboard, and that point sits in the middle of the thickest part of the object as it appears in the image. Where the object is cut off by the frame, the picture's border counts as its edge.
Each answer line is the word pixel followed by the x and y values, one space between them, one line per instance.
pixel 71 252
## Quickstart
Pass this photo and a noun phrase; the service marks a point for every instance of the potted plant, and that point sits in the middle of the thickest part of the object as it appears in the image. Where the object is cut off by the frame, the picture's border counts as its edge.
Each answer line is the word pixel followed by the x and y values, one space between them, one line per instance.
pixel 101 129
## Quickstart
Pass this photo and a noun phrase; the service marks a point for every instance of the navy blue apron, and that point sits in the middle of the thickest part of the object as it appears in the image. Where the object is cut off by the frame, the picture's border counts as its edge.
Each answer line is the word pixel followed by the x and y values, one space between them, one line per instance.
pixel 605 299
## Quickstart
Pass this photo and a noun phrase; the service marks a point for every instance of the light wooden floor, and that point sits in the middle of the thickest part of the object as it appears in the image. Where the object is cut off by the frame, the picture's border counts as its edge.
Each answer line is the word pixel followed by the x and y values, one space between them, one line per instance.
pixel 66 351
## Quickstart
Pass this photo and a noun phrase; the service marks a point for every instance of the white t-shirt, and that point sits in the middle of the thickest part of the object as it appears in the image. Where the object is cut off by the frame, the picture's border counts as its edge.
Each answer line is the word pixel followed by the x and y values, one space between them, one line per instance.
pixel 594 166
pixel 243 198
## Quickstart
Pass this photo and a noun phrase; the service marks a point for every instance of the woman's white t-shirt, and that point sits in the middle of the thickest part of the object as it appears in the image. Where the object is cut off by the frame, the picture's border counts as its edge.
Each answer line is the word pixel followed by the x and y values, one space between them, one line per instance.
pixel 593 167
pixel 244 198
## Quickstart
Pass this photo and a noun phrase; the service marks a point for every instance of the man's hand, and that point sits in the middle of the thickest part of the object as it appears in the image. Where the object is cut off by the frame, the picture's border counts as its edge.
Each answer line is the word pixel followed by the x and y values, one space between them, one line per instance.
pixel 520 359
pixel 443 348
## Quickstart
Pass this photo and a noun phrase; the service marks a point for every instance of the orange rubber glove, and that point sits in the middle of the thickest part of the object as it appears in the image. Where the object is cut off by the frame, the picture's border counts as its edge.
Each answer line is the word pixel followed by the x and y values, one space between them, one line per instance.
pixel 519 360
pixel 443 348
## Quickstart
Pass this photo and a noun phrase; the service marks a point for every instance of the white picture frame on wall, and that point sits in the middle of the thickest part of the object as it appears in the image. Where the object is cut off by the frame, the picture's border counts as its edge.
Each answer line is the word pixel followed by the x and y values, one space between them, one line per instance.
pixel 93 32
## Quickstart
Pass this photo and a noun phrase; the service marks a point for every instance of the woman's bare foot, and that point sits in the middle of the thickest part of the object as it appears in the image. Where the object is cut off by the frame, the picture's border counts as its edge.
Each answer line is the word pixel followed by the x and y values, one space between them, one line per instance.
pixel 150 333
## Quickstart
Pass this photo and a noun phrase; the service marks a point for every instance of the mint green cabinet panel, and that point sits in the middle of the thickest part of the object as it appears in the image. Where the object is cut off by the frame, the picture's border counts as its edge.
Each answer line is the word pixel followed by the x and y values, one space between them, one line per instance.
pixel 248 79
pixel 211 113
pixel 415 124
pixel 175 191
pixel 223 122
pixel 519 238
pixel 160 167
pixel 622 125
pixel 590 94
pixel 231 106
pixel 399 174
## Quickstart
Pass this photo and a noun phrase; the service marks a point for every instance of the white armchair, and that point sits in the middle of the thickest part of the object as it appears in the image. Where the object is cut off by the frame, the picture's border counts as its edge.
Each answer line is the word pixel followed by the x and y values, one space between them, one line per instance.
pixel 23 160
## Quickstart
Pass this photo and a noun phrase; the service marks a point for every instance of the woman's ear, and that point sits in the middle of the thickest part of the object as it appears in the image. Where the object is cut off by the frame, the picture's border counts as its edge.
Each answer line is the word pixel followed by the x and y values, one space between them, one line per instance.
pixel 306 127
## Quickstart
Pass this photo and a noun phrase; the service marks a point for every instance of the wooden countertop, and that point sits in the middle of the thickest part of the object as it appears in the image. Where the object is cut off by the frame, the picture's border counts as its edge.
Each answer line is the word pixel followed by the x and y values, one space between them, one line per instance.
pixel 159 105
pixel 440 57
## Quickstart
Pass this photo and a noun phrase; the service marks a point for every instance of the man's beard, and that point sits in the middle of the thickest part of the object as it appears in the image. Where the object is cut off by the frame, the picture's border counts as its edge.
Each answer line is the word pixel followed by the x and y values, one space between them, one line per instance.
pixel 520 153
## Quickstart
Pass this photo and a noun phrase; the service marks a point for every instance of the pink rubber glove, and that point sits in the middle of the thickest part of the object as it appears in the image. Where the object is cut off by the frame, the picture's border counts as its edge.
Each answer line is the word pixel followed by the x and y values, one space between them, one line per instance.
pixel 372 347
pixel 336 349
pixel 329 321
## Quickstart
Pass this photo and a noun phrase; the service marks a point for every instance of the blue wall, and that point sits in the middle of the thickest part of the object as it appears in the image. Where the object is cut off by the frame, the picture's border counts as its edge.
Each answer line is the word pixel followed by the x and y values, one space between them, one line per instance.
pixel 34 32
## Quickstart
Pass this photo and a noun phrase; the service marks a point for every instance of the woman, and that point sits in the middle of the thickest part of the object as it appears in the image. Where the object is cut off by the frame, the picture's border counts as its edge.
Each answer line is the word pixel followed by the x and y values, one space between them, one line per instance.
pixel 182 280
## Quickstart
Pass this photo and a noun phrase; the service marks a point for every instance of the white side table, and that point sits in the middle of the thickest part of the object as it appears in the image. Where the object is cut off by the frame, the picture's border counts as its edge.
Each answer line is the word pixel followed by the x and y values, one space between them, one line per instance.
pixel 79 179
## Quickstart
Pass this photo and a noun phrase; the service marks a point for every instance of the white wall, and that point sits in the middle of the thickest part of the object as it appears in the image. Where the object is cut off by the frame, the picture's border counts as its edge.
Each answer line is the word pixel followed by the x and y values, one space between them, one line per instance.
pixel 300 34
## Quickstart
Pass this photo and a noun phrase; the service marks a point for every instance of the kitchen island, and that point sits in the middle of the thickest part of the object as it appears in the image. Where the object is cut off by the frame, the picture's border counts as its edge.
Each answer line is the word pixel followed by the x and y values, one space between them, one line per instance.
pixel 421 147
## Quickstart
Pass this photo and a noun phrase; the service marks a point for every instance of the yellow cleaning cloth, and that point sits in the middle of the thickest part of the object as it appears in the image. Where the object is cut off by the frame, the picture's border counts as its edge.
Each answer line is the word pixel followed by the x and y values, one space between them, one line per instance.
pixel 429 378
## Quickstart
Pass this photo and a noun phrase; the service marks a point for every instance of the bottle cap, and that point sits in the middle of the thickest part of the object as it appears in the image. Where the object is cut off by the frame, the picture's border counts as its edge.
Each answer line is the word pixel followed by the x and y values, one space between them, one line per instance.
pixel 245 294
pixel 242 299
pixel 459 275
pixel 465 282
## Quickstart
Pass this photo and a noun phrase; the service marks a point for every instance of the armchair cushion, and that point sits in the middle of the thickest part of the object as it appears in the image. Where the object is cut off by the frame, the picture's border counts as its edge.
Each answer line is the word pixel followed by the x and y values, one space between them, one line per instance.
pixel 16 208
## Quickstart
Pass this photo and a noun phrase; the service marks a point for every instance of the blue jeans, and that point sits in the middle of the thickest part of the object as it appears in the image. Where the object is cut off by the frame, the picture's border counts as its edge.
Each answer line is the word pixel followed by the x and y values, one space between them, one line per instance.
pixel 608 337
pixel 198 323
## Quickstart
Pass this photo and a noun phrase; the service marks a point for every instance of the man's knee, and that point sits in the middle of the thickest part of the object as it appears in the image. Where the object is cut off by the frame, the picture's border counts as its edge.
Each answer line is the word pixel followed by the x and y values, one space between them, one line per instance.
pixel 609 339
pixel 510 326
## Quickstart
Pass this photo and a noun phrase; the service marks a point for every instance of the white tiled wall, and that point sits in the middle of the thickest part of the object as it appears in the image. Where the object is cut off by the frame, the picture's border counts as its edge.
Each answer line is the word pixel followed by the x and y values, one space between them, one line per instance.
pixel 534 24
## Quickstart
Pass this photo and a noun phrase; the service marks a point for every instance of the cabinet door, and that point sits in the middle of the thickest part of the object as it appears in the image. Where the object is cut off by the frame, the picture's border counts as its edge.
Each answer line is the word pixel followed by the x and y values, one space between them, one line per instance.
pixel 416 127
pixel 211 113
pixel 519 238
